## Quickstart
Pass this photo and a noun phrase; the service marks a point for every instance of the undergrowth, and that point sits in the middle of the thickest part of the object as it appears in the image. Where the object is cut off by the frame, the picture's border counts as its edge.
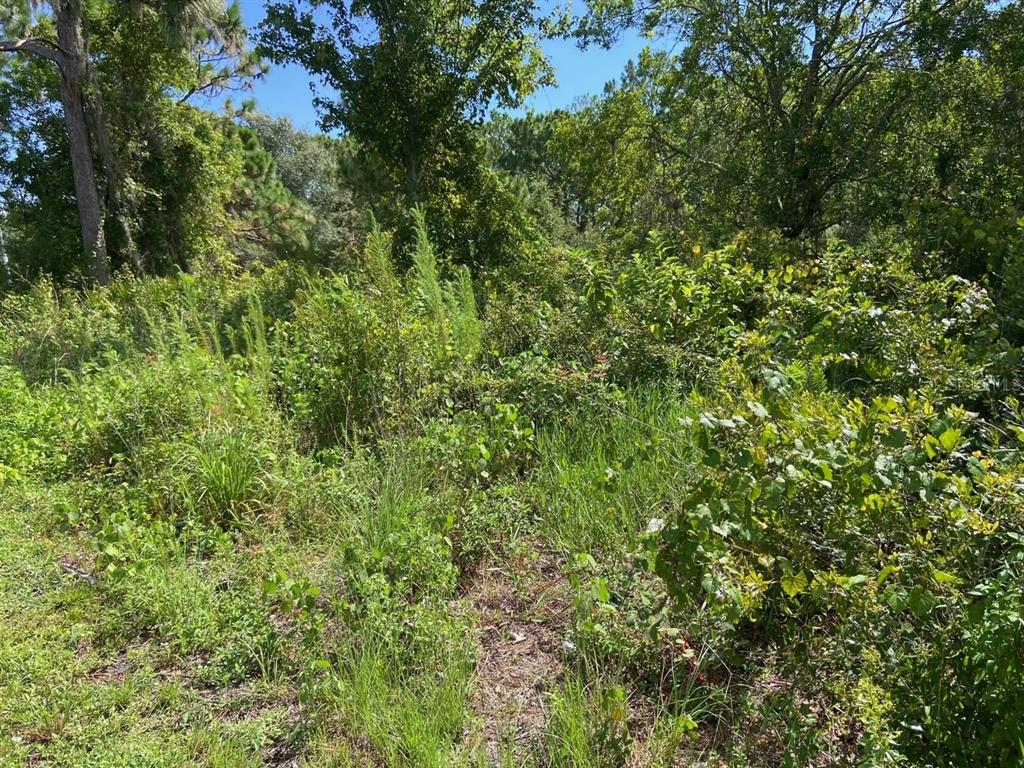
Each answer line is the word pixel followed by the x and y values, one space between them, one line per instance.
pixel 240 516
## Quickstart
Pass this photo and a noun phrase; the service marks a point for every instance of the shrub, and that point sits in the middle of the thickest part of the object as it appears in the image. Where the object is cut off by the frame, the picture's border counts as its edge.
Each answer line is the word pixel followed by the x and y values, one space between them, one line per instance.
pixel 858 528
pixel 361 356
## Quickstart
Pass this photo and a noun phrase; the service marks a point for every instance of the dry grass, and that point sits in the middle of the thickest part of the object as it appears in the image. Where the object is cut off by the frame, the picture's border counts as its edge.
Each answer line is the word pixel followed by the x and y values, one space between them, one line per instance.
pixel 520 612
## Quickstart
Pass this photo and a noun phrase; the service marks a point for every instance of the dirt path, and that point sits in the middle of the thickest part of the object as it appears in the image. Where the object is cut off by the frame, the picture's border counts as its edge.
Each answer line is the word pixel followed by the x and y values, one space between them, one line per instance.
pixel 520 610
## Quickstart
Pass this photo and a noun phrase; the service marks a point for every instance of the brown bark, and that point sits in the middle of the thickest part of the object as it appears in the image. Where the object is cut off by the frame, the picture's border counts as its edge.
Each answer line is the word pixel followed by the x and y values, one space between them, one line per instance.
pixel 68 19
pixel 117 197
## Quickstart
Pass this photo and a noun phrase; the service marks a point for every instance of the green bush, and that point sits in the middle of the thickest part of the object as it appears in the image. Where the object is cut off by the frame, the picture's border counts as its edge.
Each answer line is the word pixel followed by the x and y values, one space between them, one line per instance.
pixel 361 356
pixel 860 323
pixel 863 530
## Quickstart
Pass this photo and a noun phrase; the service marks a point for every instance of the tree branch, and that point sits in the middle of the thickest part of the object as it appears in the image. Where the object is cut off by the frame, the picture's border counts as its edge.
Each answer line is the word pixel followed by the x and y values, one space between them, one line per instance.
pixel 37 46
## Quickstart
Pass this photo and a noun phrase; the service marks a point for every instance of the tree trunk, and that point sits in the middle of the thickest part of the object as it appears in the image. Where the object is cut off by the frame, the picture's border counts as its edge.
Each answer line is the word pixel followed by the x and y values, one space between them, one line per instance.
pixel 70 56
pixel 118 200
pixel 68 19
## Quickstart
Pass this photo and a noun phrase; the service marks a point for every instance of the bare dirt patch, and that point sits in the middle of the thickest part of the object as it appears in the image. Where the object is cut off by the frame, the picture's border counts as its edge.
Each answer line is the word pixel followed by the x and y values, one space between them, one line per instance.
pixel 520 611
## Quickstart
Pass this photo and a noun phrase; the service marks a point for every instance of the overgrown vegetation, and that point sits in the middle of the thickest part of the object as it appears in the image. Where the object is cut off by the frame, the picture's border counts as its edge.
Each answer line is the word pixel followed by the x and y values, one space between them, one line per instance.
pixel 785 500
pixel 681 429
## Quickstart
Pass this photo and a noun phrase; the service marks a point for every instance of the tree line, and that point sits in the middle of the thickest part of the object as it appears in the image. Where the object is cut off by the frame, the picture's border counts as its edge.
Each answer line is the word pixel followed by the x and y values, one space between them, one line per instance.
pixel 816 118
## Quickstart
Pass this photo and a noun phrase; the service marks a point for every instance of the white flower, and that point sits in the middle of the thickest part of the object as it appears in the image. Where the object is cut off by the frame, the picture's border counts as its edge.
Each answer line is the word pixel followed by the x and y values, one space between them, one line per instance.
pixel 655 525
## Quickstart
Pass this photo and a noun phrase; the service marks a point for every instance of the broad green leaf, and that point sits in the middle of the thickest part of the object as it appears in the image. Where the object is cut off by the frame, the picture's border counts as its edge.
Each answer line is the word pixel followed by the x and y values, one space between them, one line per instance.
pixel 921 601
pixel 794 583
pixel 949 439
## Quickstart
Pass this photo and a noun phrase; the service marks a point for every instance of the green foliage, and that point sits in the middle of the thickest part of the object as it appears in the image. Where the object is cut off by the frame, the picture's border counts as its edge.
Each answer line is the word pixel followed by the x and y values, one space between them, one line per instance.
pixel 311 167
pixel 365 354
pixel 409 722
pixel 224 474
pixel 840 320
pixel 980 249
pixel 589 728
pixel 169 173
pixel 397 92
pixel 844 503
pixel 411 81
pixel 680 428
pixel 854 527
pixel 33 180
pixel 503 445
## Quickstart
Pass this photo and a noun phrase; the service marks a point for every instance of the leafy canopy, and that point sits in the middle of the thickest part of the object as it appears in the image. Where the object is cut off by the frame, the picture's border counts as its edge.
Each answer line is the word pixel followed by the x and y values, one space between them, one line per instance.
pixel 410 77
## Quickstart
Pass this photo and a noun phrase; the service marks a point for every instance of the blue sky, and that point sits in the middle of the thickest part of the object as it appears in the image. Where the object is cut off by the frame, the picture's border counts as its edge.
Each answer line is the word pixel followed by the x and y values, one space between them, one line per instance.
pixel 285 91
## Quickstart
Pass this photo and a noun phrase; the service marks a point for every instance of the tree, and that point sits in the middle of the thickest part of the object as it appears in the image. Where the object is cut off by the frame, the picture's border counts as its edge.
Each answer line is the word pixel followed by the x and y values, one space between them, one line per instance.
pixel 410 80
pixel 817 83
pixel 210 35
pixel 70 55
pixel 519 148
pixel 36 189
pixel 410 76
pixel 313 168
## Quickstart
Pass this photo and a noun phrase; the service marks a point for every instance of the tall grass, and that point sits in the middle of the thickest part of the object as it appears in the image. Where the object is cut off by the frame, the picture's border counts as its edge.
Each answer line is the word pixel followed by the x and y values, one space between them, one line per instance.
pixel 467 330
pixel 612 471
pixel 410 720
pixel 426 280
